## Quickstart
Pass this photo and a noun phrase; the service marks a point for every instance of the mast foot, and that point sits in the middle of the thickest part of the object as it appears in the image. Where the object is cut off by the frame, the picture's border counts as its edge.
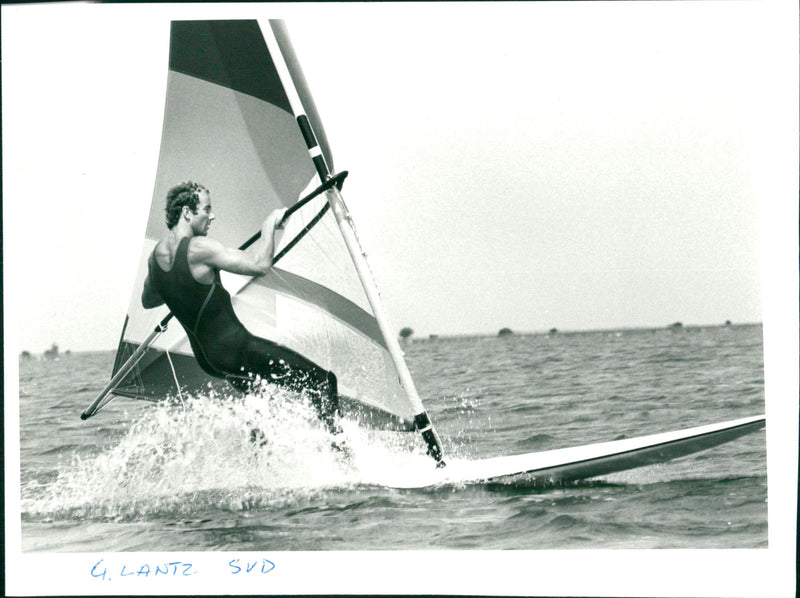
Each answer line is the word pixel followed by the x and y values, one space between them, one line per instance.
pixel 425 427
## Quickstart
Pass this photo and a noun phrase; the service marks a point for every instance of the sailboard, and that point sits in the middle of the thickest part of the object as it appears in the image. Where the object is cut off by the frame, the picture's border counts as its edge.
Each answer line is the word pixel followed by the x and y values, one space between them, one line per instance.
pixel 240 120
pixel 565 465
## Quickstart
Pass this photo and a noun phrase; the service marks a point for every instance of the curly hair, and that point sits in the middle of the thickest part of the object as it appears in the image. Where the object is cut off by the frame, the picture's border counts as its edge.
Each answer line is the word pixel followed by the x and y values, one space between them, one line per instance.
pixel 185 194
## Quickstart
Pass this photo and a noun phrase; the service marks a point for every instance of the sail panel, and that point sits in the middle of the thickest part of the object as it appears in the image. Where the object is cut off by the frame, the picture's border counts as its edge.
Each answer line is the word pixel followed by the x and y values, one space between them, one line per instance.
pixel 333 304
pixel 247 152
pixel 362 366
pixel 228 126
pixel 162 374
pixel 228 53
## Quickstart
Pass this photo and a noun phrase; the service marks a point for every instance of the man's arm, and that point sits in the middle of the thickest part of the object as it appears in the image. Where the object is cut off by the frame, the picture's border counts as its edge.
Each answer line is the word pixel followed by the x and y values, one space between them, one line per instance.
pixel 256 262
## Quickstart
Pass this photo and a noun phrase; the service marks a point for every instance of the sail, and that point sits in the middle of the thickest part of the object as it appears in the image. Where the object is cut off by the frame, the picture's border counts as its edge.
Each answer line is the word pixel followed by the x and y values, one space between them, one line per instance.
pixel 229 125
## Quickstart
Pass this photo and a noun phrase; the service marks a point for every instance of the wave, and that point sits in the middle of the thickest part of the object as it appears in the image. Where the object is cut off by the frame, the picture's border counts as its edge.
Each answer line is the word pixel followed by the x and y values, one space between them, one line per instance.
pixel 535 441
pixel 182 458
pixel 672 356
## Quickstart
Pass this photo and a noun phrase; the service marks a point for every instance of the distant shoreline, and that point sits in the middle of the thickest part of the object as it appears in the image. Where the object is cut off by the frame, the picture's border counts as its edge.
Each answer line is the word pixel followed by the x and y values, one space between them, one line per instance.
pixel 473 335
pixel 566 332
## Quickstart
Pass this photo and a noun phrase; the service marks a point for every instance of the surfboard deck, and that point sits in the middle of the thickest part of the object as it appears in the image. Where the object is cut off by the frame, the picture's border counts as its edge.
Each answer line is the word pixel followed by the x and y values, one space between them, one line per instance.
pixel 580 462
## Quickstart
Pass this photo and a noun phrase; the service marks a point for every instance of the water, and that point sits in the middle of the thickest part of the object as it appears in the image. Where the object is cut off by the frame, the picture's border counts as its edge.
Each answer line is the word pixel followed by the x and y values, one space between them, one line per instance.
pixel 185 476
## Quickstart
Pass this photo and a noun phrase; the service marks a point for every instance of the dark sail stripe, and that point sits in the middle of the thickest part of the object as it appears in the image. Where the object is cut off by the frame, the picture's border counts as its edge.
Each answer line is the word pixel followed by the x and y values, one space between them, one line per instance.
pixel 333 303
pixel 229 53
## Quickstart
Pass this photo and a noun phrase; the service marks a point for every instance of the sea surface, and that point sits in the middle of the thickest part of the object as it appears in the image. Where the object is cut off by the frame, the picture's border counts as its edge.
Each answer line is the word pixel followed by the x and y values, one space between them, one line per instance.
pixel 185 476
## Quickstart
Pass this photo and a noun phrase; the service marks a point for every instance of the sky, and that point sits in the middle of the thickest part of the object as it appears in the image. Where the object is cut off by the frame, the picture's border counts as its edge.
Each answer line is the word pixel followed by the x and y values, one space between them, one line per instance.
pixel 534 165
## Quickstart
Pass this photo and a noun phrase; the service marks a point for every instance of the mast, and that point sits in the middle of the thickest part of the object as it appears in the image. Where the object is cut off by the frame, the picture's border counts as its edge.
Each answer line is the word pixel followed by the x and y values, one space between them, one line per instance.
pixel 422 421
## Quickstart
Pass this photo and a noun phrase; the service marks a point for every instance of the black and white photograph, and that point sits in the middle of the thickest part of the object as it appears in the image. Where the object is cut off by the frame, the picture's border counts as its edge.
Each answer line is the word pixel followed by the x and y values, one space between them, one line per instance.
pixel 401 298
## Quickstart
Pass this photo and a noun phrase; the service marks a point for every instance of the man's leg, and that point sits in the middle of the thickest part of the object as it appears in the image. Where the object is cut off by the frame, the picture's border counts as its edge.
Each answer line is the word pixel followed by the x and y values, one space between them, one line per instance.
pixel 325 399
pixel 285 367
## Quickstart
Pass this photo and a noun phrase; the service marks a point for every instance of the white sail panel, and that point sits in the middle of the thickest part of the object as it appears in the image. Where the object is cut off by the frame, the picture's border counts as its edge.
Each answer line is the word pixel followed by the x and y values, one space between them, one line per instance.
pixel 233 144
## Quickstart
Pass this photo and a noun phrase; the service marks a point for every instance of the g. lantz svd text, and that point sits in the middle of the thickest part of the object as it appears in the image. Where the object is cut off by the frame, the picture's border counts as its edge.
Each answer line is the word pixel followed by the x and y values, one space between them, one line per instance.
pixel 107 571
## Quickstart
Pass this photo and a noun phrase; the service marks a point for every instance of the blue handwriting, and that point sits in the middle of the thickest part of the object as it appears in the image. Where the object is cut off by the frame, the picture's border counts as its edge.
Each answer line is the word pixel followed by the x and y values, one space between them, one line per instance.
pixel 236 566
pixel 173 569
pixel 250 566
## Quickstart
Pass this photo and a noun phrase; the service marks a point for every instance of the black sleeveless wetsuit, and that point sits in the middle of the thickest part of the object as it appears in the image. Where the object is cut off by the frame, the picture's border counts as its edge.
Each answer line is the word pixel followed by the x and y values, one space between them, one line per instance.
pixel 223 347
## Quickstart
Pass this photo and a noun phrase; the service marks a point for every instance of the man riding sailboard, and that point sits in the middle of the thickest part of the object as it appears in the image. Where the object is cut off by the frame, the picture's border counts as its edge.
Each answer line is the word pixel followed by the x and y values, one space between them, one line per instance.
pixel 239 114
pixel 184 272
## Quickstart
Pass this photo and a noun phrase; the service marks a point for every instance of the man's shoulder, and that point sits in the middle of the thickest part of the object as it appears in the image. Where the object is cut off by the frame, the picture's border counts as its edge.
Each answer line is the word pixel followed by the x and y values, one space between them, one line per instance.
pixel 201 248
pixel 204 243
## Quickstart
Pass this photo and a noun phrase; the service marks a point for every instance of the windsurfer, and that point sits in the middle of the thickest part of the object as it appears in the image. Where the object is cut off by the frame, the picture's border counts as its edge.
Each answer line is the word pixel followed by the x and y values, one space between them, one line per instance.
pixel 183 272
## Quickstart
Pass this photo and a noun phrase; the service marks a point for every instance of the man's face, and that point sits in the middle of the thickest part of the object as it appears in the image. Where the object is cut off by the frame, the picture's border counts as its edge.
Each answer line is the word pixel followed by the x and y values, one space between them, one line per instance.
pixel 203 216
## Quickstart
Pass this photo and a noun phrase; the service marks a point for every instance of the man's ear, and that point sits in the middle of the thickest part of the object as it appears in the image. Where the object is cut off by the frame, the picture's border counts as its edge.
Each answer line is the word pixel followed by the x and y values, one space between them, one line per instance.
pixel 186 212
